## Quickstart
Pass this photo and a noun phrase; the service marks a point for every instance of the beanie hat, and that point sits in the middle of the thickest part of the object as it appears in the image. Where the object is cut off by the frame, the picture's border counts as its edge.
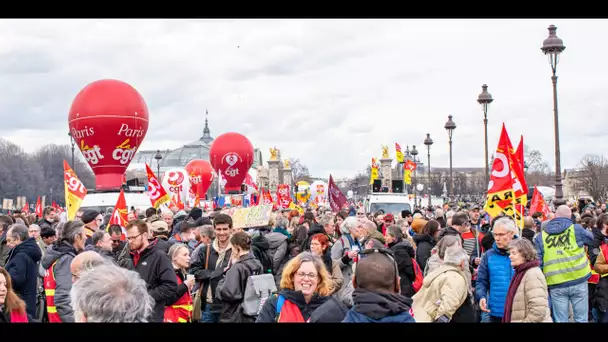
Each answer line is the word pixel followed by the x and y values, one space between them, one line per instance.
pixel 89 216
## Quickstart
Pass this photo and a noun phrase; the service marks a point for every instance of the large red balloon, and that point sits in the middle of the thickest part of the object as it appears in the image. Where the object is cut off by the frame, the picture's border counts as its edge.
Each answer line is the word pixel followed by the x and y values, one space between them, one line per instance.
pixel 201 176
pixel 231 154
pixel 108 121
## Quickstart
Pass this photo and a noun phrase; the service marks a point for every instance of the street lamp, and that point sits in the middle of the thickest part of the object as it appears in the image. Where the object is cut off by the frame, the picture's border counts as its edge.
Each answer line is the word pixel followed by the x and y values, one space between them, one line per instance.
pixel 484 100
pixel 428 142
pixel 553 47
pixel 450 126
pixel 72 140
pixel 414 153
pixel 158 157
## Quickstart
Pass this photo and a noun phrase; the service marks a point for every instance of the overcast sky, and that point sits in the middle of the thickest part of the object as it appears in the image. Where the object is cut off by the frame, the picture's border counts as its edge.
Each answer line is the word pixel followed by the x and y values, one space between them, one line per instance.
pixel 329 92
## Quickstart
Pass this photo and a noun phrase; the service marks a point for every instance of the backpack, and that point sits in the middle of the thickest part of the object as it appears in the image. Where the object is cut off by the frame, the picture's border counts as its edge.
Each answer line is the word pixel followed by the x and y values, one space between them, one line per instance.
pixel 258 289
pixel 418 276
pixel 264 258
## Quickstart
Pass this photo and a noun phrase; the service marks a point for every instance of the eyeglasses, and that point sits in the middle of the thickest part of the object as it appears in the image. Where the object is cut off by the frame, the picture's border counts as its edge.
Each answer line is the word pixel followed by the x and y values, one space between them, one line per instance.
pixel 360 214
pixel 131 238
pixel 307 275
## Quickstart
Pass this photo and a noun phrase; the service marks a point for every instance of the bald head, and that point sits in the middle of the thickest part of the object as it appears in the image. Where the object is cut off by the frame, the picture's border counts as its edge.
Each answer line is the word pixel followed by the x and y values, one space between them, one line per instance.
pixel 563 211
pixel 528 222
pixel 376 272
pixel 84 261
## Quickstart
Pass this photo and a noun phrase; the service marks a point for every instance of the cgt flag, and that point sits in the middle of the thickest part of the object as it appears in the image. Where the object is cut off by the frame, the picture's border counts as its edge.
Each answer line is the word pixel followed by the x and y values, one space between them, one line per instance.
pixel 336 197
pixel 120 214
pixel 399 153
pixel 158 195
pixel 74 191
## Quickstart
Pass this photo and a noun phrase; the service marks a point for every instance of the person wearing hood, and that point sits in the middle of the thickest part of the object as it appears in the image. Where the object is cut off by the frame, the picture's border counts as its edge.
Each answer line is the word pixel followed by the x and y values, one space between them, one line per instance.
pixel 178 218
pixel 277 246
pixel 231 289
pixel 326 221
pixel 260 248
pixel 444 290
pixel 153 266
pixel 403 253
pixel 22 265
pixel 377 297
pixel 560 249
pixel 495 271
pixel 185 234
pixel 58 277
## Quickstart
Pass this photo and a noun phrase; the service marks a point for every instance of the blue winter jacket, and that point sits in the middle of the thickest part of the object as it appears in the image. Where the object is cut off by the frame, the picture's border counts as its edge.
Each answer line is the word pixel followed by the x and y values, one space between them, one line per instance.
pixel 353 316
pixel 557 226
pixel 493 279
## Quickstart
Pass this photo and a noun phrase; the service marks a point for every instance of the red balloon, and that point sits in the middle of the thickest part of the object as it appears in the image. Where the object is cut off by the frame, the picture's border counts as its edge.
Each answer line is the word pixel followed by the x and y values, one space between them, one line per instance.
pixel 108 121
pixel 201 176
pixel 231 154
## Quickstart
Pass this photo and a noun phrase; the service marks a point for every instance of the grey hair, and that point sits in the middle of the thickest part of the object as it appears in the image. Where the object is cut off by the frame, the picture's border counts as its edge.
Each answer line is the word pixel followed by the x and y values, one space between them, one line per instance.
pixel 71 230
pixel 111 294
pixel 350 224
pixel 455 255
pixel 369 226
pixel 281 221
pixel 507 223
pixel 325 219
pixel 19 232
pixel 174 249
pixel 98 236
pixel 207 230
pixel 446 242
pixel 35 226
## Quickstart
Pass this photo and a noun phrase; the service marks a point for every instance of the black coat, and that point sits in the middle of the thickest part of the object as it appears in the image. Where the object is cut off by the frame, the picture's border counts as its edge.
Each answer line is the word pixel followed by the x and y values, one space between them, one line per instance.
pixel 210 275
pixel 424 246
pixel 332 311
pixel 232 289
pixel 155 268
pixel 22 264
pixel 405 266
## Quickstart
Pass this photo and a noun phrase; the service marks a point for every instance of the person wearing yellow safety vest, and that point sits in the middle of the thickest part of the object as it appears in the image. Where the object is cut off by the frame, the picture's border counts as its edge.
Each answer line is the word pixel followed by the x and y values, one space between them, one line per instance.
pixel 58 277
pixel 179 307
pixel 560 248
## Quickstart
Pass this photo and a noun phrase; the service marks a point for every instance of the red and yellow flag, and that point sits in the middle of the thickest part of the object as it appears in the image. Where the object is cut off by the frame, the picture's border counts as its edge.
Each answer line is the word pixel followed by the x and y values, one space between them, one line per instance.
pixel 74 191
pixel 120 215
pixel 38 208
pixel 374 171
pixel 505 191
pixel 399 153
pixel 538 204
pixel 158 195
pixel 408 168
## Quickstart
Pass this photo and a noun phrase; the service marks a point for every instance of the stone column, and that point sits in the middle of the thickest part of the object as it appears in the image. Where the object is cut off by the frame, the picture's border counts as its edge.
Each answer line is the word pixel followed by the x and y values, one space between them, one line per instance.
pixel 273 174
pixel 286 175
pixel 386 172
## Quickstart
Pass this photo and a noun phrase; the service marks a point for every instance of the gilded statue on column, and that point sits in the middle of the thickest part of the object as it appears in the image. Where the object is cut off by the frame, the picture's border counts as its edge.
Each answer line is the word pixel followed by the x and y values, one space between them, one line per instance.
pixel 286 164
pixel 385 154
pixel 273 153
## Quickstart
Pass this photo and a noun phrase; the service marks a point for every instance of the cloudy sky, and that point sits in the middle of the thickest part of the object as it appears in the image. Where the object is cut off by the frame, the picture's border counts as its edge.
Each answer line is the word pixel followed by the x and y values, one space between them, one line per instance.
pixel 329 92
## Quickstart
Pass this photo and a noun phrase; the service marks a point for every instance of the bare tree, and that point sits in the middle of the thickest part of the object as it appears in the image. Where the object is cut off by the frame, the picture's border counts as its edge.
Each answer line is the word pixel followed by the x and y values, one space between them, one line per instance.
pixel 436 183
pixel 593 177
pixel 299 171
pixel 538 172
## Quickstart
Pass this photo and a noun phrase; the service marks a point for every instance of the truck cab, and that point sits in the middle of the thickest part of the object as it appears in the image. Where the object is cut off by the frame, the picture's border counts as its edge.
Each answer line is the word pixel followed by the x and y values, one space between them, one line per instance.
pixel 102 200
pixel 389 203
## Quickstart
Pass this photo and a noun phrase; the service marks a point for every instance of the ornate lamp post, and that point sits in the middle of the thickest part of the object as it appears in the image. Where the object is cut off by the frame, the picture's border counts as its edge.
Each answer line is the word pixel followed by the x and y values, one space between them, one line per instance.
pixel 414 153
pixel 484 100
pixel 158 157
pixel 428 142
pixel 450 126
pixel 72 141
pixel 553 47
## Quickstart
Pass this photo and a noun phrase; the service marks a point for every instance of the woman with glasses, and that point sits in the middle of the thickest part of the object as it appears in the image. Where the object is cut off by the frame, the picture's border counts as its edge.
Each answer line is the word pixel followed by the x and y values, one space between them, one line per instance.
pixel 305 286
pixel 12 308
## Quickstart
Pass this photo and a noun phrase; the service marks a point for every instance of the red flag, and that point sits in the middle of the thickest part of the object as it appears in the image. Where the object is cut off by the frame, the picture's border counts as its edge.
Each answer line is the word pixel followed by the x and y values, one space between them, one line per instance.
pixel 538 204
pixel 283 196
pixel 156 192
pixel 519 157
pixel 38 210
pixel 120 215
pixel 336 197
pixel 26 208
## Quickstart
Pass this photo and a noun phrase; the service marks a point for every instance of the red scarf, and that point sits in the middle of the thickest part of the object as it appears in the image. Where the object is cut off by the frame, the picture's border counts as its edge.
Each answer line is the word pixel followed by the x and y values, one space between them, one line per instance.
pixel 17 317
pixel 520 271
pixel 290 313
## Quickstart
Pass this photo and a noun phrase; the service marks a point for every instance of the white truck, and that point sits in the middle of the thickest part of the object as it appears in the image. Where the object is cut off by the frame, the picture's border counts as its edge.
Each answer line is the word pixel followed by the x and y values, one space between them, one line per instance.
pixel 102 200
pixel 389 203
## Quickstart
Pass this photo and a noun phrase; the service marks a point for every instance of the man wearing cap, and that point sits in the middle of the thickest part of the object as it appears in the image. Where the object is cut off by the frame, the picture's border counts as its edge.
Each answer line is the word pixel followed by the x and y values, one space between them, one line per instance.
pixel 160 231
pixel 474 217
pixel 92 220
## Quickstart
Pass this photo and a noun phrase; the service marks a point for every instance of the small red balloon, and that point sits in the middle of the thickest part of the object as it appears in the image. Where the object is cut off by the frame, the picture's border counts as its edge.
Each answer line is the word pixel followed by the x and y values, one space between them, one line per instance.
pixel 108 121
pixel 201 176
pixel 231 154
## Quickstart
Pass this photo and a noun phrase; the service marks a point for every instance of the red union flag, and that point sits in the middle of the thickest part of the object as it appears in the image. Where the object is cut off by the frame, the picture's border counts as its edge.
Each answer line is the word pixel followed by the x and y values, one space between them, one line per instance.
pixel 120 214
pixel 336 197
pixel 538 204
pixel 156 192
pixel 283 196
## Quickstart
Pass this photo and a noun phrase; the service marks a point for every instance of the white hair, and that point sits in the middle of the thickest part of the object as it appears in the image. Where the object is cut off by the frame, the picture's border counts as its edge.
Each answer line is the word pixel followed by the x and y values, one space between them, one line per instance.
pixel 455 255
pixel 111 294
pixel 507 223
pixel 350 224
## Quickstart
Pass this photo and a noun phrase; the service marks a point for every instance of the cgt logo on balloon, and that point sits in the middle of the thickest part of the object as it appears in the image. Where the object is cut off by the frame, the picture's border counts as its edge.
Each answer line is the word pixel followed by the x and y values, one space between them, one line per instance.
pixel 231 159
pixel 175 181
pixel 123 153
